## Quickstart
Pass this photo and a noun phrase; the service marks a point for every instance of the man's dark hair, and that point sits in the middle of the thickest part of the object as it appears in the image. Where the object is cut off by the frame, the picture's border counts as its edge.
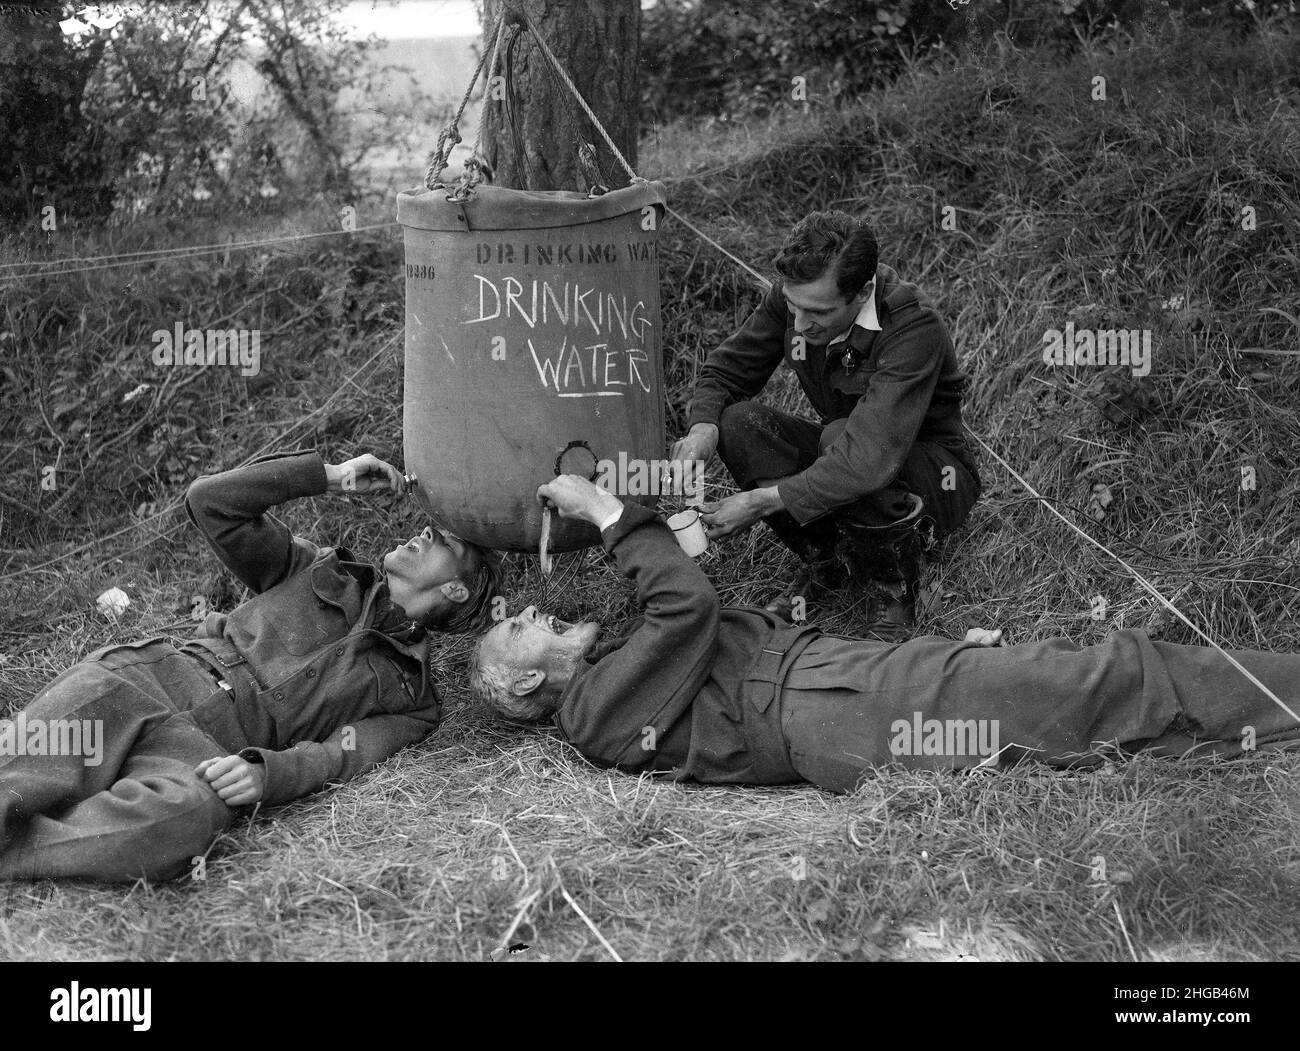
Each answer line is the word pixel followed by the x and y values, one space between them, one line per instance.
pixel 823 239
pixel 475 613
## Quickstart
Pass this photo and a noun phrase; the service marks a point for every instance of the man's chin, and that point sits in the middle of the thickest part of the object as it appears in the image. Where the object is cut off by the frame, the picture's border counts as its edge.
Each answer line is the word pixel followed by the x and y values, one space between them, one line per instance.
pixel 585 634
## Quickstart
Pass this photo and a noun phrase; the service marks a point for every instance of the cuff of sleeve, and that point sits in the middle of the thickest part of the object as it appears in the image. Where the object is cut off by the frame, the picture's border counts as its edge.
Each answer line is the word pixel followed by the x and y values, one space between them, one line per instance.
pixel 613 517
pixel 704 408
pixel 631 517
pixel 798 500
pixel 289 774
pixel 304 470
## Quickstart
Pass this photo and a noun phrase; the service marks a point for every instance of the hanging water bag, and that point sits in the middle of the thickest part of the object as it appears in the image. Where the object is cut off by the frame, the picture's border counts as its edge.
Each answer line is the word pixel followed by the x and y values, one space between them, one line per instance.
pixel 532 349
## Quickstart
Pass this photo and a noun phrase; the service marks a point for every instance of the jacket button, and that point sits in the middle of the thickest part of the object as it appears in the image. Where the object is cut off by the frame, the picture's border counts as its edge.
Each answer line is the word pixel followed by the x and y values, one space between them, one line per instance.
pixel 279 696
pixel 322 604
pixel 311 673
pixel 339 652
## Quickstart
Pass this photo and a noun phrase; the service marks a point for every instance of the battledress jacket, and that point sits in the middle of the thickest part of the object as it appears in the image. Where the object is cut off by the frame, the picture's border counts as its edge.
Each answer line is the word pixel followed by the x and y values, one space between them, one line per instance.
pixel 692 687
pixel 317 694
pixel 896 387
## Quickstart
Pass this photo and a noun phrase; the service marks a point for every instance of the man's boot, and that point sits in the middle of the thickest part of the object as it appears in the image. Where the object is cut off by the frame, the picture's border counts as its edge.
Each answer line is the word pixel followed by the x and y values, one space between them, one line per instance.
pixel 821 571
pixel 886 562
pixel 793 605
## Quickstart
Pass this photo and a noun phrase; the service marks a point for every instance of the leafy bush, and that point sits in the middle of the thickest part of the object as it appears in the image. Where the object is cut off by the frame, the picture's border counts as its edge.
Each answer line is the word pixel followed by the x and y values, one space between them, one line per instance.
pixel 188 108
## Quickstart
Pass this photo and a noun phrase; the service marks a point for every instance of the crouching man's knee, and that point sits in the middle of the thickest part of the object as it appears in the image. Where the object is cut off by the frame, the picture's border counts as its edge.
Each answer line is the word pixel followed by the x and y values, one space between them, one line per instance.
pixel 745 436
pixel 740 418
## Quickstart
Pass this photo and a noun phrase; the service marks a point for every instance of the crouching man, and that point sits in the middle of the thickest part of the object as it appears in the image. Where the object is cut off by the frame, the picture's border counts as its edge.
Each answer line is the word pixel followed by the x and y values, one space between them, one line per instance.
pixel 319 676
pixel 736 695
pixel 886 473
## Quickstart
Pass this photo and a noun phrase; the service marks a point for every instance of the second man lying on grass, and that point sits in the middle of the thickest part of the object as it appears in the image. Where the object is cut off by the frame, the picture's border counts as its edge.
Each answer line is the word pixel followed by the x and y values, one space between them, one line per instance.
pixel 735 695
pixel 318 676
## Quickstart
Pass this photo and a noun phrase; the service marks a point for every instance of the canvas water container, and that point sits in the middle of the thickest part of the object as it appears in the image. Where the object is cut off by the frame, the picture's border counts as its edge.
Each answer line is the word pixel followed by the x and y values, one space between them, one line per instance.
pixel 532 348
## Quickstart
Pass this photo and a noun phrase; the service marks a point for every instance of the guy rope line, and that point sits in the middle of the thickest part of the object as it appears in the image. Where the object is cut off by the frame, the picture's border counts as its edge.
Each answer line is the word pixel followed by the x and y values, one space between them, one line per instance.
pixel 1136 576
pixel 441 152
pixel 595 120
pixel 767 284
pixel 54 267
pixel 763 281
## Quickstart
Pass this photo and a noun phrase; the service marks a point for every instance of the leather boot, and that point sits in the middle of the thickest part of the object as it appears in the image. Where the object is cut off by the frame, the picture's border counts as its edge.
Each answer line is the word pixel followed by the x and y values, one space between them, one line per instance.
pixel 812 581
pixel 886 562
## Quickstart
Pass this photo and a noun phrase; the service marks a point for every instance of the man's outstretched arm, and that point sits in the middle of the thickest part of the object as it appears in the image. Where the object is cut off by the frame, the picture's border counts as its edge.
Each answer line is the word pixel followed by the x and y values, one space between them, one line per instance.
pixel 618 711
pixel 740 366
pixel 232 509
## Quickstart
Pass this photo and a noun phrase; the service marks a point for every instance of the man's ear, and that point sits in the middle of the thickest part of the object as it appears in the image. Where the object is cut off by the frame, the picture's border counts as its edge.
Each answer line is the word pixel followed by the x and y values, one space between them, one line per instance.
pixel 527 681
pixel 868 290
pixel 455 591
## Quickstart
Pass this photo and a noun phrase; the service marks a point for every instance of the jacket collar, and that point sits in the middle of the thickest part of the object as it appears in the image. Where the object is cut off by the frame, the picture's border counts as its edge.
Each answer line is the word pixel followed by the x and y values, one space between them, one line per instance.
pixel 860 336
pixel 868 317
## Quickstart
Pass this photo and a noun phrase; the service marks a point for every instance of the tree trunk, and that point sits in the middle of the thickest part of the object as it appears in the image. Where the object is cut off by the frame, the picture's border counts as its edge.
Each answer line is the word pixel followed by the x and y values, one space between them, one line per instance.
pixel 44 141
pixel 532 137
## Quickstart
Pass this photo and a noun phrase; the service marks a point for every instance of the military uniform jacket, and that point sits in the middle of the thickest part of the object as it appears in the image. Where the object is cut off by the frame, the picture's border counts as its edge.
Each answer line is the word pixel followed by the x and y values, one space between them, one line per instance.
pixel 896 387
pixel 692 688
pixel 318 694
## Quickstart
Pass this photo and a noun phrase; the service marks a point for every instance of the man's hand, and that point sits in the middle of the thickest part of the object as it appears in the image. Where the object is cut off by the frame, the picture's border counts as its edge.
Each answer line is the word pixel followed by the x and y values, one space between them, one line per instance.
pixel 697 447
pixel 237 781
pixel 984 636
pixel 737 513
pixel 363 474
pixel 576 497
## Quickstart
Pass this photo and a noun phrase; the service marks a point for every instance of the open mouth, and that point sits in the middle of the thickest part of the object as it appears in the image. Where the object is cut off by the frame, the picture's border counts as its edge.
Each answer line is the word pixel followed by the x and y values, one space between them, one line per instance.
pixel 556 625
pixel 422 541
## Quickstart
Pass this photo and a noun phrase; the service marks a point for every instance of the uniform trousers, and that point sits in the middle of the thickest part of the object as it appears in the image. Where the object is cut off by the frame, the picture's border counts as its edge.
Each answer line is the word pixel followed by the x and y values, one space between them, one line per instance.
pixel 761 444
pixel 850 706
pixel 141 811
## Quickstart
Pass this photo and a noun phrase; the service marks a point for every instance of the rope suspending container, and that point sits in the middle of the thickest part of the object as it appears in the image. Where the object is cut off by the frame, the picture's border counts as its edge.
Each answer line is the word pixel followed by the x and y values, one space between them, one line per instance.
pixel 533 348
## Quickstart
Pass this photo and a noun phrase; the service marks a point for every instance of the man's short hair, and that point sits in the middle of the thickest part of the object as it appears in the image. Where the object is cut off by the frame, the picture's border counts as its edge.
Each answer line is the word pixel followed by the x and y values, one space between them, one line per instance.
pixel 490 683
pixel 475 613
pixel 823 239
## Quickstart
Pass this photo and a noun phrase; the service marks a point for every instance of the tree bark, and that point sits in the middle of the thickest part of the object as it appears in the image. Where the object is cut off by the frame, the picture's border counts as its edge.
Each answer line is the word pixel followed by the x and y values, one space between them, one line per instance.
pixel 531 138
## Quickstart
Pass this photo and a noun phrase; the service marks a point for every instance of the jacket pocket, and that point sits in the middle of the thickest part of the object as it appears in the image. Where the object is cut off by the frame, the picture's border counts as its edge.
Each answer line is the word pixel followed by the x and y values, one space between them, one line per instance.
pixel 396 690
pixel 119 653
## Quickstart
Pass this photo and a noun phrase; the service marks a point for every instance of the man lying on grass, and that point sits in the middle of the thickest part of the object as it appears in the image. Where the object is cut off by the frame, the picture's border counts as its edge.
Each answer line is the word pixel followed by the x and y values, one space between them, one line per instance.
pixel 319 676
pixel 736 695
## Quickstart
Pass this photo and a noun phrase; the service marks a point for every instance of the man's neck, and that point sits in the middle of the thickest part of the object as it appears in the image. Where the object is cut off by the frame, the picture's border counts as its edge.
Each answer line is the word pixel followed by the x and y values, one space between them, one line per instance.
pixel 866 316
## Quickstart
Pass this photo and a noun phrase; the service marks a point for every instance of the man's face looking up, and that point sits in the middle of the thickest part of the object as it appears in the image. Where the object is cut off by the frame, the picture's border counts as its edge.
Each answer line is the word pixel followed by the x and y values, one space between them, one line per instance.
pixel 430 570
pixel 538 647
pixel 820 310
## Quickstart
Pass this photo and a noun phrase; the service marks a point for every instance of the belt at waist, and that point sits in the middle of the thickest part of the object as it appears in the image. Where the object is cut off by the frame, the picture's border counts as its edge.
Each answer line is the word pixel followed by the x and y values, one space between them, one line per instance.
pixel 221 715
pixel 768 753
pixel 767 674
